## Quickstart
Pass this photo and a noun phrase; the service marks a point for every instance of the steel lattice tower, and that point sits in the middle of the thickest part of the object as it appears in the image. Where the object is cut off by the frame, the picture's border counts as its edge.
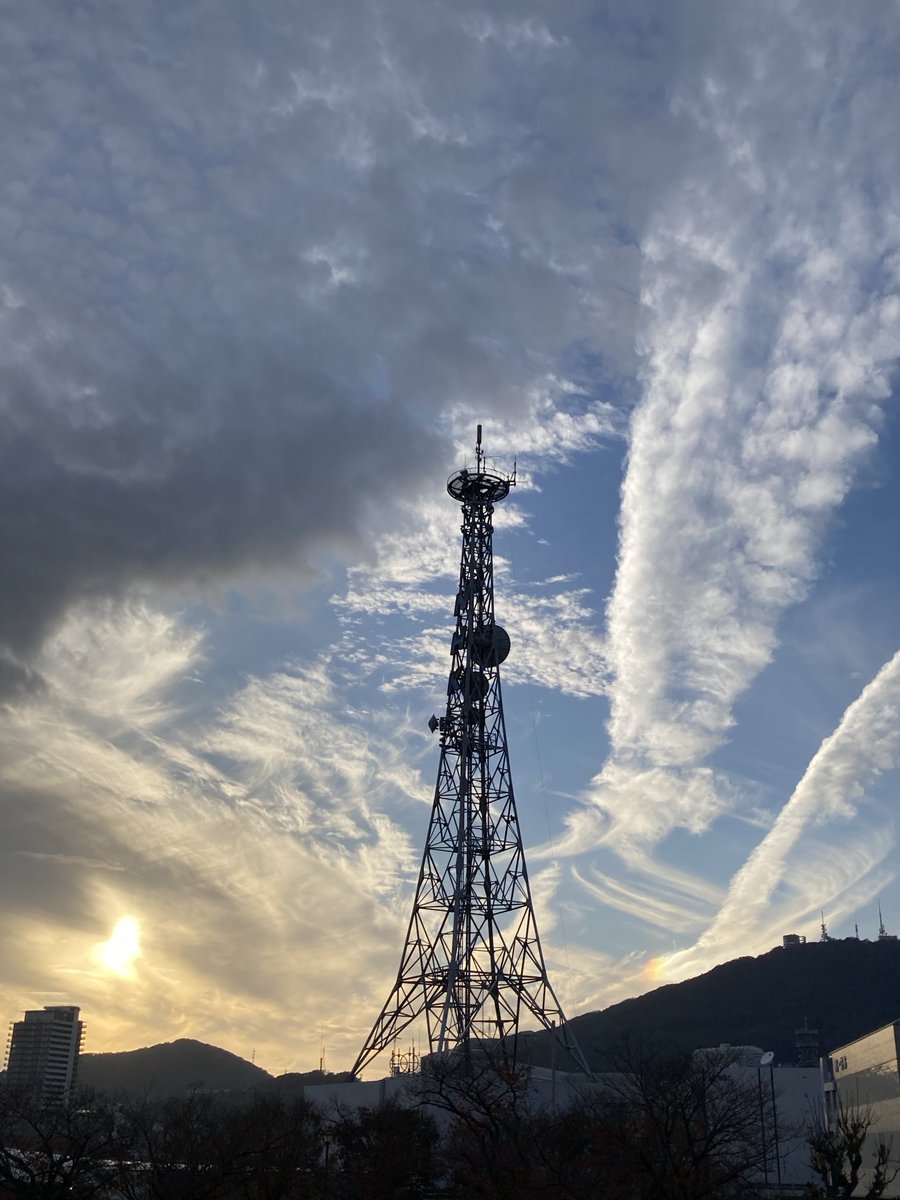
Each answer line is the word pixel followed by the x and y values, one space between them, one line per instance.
pixel 472 962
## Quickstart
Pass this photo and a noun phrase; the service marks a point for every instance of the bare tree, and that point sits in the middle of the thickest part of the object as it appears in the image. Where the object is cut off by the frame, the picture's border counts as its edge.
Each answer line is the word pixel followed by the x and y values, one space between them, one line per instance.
pixel 837 1156
pixel 275 1148
pixel 383 1153
pixel 568 1152
pixel 56 1152
pixel 200 1147
pixel 486 1149
pixel 177 1150
pixel 664 1126
pixel 690 1125
pixel 502 1143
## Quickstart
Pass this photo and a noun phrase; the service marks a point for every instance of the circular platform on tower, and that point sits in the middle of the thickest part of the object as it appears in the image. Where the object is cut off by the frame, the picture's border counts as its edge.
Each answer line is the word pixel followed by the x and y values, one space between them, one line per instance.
pixel 477 487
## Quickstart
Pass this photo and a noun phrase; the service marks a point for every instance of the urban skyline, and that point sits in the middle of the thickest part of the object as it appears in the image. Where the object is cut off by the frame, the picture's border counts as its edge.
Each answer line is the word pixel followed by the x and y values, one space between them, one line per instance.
pixel 260 276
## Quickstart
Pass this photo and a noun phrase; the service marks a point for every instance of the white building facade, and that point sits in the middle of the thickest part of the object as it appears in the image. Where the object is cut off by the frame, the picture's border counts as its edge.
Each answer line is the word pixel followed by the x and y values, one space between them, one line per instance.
pixel 867 1079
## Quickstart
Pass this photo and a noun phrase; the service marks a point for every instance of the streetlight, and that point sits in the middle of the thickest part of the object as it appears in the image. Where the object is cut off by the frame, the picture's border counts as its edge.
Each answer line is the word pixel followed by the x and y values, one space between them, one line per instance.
pixel 326 1140
pixel 762 1118
pixel 766 1061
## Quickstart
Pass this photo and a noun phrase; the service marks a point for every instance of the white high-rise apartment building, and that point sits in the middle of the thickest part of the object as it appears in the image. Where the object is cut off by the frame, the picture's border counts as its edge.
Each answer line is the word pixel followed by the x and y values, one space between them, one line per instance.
pixel 43 1053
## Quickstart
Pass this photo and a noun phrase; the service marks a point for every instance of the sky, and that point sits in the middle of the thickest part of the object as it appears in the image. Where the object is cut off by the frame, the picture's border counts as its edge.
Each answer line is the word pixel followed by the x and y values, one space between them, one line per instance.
pixel 262 269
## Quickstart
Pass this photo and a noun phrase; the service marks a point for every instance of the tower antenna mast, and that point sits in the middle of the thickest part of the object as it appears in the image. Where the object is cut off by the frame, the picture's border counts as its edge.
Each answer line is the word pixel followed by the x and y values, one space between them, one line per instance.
pixel 472 969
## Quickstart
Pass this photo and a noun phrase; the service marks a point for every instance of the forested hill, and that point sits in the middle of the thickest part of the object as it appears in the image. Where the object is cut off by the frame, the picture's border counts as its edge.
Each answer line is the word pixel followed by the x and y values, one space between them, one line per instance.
pixel 185 1065
pixel 843 988
pixel 169 1069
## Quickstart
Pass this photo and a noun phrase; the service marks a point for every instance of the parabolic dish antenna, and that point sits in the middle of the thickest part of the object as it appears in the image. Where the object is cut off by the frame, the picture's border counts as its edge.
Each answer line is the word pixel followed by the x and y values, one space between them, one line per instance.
pixel 491 646
pixel 767 1058
pixel 478 684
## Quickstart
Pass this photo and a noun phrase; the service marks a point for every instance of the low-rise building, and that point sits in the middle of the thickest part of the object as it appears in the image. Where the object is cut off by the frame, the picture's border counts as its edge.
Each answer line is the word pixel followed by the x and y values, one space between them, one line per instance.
pixel 866 1077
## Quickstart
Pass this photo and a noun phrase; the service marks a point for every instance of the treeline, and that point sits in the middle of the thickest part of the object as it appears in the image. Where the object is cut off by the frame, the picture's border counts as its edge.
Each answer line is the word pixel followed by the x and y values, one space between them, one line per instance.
pixel 664 1127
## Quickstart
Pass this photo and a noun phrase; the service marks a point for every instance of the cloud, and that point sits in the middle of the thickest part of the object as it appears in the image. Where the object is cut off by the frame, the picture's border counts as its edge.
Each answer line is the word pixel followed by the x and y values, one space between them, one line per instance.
pixel 251 278
pixel 413 573
pixel 118 952
pixel 655 904
pixel 255 851
pixel 768 359
pixel 259 278
pixel 832 793
pixel 555 642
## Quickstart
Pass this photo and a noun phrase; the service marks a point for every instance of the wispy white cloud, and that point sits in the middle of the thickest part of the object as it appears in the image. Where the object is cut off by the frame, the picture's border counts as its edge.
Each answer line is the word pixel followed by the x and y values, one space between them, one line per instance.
pixel 768 360
pixel 649 903
pixel 413 573
pixel 555 422
pixel 832 792
pixel 255 852
pixel 555 646
pixel 321 770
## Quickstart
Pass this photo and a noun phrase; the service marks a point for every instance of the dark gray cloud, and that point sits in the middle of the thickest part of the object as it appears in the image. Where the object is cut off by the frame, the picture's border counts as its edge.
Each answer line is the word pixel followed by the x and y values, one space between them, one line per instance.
pixel 250 253
pixel 138 501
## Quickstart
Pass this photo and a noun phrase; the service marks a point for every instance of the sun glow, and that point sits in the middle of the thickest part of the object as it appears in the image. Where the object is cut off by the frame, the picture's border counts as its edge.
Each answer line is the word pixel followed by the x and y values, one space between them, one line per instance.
pixel 656 968
pixel 124 946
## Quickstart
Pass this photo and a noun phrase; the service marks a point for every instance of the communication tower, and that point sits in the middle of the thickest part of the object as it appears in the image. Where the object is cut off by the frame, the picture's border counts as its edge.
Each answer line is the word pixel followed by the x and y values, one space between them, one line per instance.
pixel 472 966
pixel 883 935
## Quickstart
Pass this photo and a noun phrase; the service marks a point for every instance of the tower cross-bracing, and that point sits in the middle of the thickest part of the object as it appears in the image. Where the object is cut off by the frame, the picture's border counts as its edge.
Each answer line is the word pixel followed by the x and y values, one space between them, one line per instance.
pixel 472 965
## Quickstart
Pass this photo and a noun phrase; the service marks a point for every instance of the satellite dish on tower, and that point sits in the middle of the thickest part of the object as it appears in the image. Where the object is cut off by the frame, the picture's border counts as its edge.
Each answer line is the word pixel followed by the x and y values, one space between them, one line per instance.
pixel 767 1058
pixel 491 646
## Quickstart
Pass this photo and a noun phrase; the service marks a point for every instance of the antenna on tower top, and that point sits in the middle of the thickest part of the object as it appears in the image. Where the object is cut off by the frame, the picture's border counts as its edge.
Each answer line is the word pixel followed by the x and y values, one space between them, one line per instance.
pixel 479 453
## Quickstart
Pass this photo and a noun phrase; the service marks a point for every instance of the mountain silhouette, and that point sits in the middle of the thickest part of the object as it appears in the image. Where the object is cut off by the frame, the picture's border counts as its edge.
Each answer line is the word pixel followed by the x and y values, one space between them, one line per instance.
pixel 169 1069
pixel 843 988
pixel 186 1065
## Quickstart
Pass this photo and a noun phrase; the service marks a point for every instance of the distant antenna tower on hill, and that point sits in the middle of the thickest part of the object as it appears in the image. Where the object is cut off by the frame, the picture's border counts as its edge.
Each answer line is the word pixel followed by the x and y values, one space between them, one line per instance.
pixel 883 935
pixel 472 970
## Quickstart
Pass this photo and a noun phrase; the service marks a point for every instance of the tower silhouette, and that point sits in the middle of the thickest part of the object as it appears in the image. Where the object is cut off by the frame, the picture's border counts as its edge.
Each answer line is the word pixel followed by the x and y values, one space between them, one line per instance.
pixel 472 964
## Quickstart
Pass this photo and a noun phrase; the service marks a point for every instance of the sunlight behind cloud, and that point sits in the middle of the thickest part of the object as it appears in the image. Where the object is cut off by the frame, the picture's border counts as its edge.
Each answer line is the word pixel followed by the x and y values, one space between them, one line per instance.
pixel 123 947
